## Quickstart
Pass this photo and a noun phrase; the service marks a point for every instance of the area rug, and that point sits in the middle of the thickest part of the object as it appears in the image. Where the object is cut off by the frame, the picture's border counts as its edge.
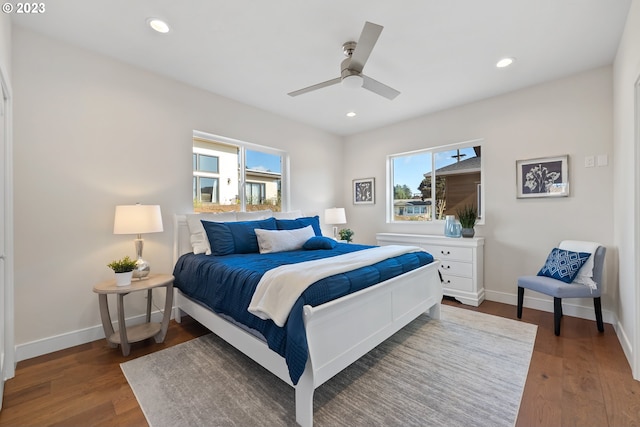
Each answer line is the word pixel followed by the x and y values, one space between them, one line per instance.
pixel 465 369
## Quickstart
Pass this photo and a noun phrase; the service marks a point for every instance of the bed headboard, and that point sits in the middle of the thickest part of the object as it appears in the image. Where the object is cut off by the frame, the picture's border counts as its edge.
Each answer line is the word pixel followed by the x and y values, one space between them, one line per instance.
pixel 181 237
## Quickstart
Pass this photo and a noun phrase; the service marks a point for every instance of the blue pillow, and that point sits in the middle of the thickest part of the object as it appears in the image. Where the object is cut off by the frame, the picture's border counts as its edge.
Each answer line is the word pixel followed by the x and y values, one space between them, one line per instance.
pixel 228 238
pixel 319 242
pixel 563 265
pixel 292 224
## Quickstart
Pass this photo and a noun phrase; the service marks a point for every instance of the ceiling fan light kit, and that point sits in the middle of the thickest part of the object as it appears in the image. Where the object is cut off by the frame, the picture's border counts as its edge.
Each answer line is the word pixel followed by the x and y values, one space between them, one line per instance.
pixel 352 81
pixel 351 76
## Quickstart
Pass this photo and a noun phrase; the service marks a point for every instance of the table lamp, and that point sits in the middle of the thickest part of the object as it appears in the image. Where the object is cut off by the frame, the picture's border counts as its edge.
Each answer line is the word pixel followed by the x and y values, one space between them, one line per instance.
pixel 138 219
pixel 335 216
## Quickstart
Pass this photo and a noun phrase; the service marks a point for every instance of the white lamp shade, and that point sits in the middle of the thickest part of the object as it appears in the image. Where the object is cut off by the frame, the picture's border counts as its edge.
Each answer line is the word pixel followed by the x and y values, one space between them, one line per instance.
pixel 137 219
pixel 335 216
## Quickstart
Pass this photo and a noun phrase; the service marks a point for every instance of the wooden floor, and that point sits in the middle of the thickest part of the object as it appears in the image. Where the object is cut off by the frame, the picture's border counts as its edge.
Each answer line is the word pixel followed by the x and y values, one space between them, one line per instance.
pixel 578 379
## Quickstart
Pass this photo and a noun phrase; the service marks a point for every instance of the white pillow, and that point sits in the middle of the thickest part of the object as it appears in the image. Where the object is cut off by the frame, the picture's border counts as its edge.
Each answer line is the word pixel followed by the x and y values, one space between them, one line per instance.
pixel 253 216
pixel 288 215
pixel 198 237
pixel 585 273
pixel 270 241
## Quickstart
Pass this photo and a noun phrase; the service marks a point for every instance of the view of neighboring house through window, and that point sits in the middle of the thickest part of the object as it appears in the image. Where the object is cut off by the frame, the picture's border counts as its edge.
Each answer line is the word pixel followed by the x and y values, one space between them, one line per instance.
pixel 230 175
pixel 429 184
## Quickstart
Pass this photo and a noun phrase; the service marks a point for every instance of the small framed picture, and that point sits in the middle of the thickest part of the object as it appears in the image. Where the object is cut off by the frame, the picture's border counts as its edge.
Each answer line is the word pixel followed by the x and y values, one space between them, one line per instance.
pixel 544 177
pixel 364 191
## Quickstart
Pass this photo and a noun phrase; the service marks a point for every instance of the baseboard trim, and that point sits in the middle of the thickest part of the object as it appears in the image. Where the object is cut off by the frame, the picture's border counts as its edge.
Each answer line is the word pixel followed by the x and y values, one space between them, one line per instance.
pixel 71 339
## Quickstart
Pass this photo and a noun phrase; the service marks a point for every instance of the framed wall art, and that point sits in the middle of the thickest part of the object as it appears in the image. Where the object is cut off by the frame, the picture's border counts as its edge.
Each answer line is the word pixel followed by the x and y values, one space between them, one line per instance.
pixel 364 191
pixel 544 177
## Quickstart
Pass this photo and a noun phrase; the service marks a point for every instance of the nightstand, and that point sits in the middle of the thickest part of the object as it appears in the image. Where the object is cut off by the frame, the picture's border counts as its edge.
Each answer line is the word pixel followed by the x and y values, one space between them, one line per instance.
pixel 127 335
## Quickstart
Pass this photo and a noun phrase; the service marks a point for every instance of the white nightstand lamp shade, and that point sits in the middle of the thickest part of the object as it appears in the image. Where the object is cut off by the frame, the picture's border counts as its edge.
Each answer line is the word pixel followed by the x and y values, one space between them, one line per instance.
pixel 138 219
pixel 335 216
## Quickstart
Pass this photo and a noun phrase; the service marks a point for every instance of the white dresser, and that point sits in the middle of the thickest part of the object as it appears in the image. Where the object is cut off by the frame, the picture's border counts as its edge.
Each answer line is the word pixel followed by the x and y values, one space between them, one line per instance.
pixel 462 262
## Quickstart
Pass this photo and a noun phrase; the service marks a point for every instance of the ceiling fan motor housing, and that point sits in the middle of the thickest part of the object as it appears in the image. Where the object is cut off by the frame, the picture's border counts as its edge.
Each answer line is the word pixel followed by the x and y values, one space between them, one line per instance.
pixel 350 78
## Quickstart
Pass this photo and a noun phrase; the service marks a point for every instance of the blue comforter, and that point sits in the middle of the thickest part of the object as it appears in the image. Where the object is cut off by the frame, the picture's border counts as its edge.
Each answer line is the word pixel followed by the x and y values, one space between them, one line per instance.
pixel 226 285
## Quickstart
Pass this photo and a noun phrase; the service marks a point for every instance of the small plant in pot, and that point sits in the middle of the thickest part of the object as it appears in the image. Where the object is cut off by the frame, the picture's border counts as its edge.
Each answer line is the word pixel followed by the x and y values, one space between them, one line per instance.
pixel 123 268
pixel 346 234
pixel 467 217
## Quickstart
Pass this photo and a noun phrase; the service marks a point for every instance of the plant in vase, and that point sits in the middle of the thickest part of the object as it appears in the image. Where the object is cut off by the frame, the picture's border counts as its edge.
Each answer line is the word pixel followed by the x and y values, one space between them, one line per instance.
pixel 346 234
pixel 123 269
pixel 467 217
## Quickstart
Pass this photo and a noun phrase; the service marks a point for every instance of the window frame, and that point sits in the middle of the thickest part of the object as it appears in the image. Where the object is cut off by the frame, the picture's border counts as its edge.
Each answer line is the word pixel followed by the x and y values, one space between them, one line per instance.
pixel 243 146
pixel 390 187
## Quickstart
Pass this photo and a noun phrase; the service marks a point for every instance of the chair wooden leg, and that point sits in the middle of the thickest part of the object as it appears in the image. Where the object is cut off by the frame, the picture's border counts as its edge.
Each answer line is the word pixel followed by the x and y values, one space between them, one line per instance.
pixel 597 304
pixel 520 301
pixel 557 314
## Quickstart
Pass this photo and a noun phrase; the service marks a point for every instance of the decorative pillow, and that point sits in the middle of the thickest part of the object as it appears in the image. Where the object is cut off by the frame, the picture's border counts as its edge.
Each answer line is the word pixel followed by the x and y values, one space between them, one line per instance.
pixel 198 237
pixel 563 265
pixel 585 274
pixel 319 242
pixel 292 224
pixel 226 238
pixel 270 241
pixel 287 215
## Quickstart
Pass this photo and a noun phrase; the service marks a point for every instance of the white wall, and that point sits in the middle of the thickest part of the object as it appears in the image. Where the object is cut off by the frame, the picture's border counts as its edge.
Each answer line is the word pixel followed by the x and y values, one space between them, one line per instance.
pixel 92 133
pixel 627 184
pixel 569 116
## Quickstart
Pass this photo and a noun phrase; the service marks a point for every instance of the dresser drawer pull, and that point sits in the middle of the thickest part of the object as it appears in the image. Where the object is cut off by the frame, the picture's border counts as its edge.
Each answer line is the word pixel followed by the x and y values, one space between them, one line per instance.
pixel 446 267
pixel 445 253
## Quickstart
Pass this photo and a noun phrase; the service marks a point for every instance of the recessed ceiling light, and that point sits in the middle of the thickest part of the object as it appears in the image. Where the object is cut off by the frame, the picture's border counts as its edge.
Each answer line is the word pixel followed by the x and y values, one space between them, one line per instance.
pixel 505 62
pixel 159 25
pixel 351 114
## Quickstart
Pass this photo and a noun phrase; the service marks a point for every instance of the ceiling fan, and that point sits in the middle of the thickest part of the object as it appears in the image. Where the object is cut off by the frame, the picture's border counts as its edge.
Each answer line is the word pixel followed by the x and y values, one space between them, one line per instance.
pixel 351 75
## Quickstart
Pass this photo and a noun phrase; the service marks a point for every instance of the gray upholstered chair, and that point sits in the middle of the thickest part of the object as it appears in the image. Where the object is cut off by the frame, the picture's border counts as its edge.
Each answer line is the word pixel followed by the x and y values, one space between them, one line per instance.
pixel 559 289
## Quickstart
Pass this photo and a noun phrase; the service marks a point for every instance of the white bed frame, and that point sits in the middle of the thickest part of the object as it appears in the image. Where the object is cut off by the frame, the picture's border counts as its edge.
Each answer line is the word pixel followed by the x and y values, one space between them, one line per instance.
pixel 338 332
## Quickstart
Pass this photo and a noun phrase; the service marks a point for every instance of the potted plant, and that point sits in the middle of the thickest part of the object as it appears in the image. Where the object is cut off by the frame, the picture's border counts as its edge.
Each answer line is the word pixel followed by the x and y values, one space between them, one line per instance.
pixel 123 269
pixel 467 217
pixel 346 234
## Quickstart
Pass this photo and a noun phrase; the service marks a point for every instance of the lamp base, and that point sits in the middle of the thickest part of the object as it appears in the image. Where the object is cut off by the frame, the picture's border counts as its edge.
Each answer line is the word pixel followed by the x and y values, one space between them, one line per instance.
pixel 142 266
pixel 142 269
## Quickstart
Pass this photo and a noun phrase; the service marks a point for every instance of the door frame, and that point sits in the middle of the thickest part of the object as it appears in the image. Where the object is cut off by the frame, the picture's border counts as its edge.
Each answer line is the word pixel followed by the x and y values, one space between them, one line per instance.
pixel 636 240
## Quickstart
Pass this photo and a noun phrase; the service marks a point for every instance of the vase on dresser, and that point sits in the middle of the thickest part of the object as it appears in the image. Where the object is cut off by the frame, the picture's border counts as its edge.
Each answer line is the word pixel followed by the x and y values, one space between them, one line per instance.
pixel 468 232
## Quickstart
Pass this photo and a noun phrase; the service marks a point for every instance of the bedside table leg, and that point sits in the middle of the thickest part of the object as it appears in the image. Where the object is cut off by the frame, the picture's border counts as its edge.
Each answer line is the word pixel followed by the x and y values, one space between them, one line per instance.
pixel 106 318
pixel 168 303
pixel 149 296
pixel 122 327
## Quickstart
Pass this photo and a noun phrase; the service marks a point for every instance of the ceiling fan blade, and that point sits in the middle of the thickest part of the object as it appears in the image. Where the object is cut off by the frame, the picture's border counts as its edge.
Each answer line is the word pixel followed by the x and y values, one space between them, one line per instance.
pixel 367 41
pixel 315 87
pixel 379 88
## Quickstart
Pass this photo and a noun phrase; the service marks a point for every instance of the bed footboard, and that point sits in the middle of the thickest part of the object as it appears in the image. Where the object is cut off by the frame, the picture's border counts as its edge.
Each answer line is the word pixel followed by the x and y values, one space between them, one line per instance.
pixel 342 331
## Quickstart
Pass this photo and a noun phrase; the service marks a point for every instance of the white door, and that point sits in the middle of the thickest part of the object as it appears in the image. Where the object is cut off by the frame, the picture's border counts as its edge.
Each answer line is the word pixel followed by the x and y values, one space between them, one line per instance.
pixel 3 157
pixel 7 356
pixel 2 240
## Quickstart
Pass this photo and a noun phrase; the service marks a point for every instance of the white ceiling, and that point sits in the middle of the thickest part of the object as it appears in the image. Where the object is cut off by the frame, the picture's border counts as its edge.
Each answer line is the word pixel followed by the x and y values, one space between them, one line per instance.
pixel 437 53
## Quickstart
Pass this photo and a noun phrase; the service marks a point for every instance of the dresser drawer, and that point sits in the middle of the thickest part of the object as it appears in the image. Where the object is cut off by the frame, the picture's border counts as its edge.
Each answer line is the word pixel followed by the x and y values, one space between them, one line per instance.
pixel 456 268
pixel 457 283
pixel 450 253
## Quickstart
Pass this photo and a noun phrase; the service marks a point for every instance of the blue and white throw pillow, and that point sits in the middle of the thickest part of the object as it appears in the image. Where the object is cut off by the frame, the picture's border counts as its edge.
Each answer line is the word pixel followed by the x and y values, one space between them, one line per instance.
pixel 563 265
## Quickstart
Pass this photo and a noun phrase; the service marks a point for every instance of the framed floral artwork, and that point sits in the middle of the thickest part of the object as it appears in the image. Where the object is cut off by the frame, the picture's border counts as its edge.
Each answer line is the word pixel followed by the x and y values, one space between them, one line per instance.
pixel 364 191
pixel 544 177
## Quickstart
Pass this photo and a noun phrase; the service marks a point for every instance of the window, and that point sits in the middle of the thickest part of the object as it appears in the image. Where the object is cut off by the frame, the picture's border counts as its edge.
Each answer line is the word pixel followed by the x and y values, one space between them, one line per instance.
pixel 255 192
pixel 427 185
pixel 205 178
pixel 230 175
